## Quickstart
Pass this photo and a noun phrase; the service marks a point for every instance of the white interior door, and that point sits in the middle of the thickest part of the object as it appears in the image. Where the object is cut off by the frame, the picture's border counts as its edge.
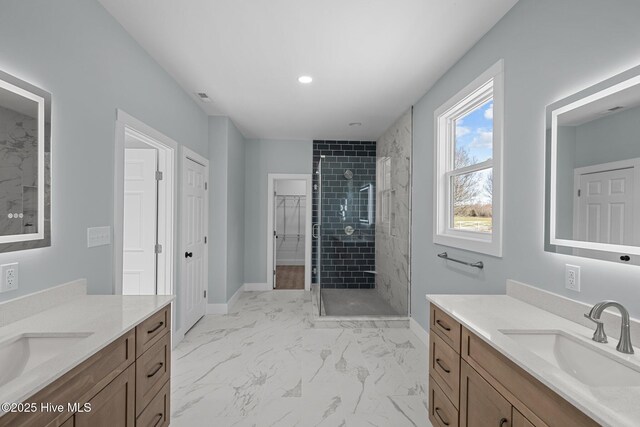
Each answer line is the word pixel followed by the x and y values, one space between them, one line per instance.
pixel 194 231
pixel 605 207
pixel 139 272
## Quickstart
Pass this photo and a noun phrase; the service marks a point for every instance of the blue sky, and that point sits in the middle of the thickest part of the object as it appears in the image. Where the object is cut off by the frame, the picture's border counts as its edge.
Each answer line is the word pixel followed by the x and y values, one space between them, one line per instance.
pixel 474 132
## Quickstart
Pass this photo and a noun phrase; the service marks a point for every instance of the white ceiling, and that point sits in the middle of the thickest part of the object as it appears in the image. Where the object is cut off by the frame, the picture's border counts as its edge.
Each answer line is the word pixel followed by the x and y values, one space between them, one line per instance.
pixel 370 59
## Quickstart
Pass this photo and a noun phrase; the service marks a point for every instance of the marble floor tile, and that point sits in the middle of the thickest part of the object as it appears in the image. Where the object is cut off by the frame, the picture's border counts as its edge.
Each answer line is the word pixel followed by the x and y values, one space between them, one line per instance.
pixel 264 364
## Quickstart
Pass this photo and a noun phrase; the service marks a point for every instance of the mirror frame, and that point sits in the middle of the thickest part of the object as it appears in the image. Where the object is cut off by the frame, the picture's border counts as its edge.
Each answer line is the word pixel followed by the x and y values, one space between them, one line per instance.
pixel 600 90
pixel 42 237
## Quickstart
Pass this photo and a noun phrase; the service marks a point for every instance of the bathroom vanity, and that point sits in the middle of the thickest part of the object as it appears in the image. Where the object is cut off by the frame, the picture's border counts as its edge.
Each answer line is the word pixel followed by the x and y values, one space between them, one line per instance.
pixel 103 360
pixel 497 361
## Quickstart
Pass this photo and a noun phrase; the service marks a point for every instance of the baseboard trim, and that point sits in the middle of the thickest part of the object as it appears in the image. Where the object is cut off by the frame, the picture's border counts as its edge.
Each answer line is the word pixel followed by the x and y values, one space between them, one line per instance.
pixel 417 329
pixel 217 309
pixel 253 287
pixel 285 262
pixel 234 297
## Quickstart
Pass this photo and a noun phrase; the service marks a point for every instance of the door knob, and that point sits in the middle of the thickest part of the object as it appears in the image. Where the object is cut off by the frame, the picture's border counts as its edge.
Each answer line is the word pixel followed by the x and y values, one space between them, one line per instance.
pixel 188 254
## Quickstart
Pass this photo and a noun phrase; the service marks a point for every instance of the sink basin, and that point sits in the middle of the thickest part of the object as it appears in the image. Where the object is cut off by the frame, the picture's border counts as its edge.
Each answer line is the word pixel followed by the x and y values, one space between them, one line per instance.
pixel 585 362
pixel 24 352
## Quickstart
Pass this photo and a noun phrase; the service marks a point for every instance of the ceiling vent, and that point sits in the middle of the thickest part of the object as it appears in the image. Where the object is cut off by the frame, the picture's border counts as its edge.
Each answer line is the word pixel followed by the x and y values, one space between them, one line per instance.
pixel 203 97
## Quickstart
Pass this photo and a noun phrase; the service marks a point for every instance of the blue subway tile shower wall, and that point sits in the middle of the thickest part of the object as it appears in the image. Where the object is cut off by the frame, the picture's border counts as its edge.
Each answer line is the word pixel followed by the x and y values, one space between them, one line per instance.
pixel 347 260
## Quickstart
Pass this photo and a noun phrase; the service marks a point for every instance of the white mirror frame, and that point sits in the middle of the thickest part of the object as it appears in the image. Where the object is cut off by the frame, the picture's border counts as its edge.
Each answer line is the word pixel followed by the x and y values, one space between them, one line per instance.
pixel 608 87
pixel 40 234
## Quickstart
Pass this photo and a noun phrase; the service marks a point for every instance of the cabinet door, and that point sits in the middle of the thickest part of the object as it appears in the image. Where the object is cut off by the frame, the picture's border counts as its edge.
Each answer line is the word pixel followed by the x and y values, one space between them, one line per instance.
pixel 480 404
pixel 519 420
pixel 114 405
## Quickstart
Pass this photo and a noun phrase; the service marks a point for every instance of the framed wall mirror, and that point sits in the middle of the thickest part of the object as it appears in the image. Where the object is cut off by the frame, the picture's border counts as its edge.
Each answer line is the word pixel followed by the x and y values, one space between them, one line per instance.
pixel 25 160
pixel 593 171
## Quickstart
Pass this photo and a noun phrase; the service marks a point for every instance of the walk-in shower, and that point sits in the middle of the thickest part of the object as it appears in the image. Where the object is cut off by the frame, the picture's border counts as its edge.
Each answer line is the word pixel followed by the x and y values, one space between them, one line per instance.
pixel 361 227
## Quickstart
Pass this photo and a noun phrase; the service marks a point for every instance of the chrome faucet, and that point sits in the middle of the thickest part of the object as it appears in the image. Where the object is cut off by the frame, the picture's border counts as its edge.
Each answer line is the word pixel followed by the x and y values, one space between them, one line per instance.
pixel 624 345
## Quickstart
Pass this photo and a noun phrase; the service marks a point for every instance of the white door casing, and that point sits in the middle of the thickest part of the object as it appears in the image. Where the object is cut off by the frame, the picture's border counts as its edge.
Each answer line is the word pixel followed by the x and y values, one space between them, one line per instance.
pixel 195 171
pixel 140 222
pixel 271 246
pixel 274 262
pixel 605 207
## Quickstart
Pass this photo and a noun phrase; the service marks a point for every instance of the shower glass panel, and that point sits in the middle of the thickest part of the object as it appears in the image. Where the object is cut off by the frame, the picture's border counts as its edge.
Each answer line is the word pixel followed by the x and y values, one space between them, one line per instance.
pixel 347 241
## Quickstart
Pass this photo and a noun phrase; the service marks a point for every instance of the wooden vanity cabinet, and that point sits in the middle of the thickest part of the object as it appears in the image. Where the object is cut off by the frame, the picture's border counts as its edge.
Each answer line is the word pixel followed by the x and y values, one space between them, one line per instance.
pixel 126 383
pixel 473 385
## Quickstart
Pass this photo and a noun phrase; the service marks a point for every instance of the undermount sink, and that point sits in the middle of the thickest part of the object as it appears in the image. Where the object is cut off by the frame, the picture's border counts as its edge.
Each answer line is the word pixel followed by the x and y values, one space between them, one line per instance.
pixel 24 352
pixel 583 361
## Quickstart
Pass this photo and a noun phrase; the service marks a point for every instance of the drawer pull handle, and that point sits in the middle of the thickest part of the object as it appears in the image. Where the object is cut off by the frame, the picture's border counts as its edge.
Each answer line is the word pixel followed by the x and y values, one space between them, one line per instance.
pixel 443 325
pixel 440 416
pixel 156 370
pixel 443 366
pixel 155 328
pixel 159 416
pixel 503 422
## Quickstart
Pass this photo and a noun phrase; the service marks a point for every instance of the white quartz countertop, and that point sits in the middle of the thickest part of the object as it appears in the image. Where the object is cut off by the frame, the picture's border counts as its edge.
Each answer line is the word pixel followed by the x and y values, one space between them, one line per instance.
pixel 105 317
pixel 487 315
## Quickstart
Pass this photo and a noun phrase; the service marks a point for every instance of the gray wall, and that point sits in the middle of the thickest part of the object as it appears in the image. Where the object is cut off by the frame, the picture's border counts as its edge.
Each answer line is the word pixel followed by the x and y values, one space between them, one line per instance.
pixel 264 157
pixel 226 209
pixel 551 50
pixel 78 52
pixel 609 139
pixel 236 211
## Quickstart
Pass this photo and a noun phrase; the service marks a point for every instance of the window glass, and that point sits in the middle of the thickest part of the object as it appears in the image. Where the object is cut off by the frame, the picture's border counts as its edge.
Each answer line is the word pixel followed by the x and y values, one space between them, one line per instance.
pixel 474 136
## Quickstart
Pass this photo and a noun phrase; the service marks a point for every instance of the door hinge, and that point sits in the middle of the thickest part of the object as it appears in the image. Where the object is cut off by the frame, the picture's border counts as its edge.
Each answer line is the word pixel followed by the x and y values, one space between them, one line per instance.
pixel 205 293
pixel 274 272
pixel 579 193
pixel 158 249
pixel 274 233
pixel 158 175
pixel 206 185
pixel 205 240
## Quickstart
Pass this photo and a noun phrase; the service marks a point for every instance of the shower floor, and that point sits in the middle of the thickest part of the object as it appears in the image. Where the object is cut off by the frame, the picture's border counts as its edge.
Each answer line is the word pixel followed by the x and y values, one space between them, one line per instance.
pixel 355 302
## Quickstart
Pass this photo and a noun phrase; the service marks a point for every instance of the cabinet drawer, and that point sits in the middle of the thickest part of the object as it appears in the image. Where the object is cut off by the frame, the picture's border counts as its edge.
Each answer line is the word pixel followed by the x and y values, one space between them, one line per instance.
pixel 151 330
pixel 444 366
pixel 153 370
pixel 481 404
pixel 539 404
pixel 447 328
pixel 157 413
pixel 442 413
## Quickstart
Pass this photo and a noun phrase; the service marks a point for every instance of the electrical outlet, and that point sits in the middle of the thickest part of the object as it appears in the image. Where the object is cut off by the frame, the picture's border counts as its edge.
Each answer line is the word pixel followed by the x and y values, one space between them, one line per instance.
pixel 9 277
pixel 572 277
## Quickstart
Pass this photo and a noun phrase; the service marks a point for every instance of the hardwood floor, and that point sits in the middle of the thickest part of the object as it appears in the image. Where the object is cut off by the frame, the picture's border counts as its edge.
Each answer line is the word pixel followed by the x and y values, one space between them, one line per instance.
pixel 290 277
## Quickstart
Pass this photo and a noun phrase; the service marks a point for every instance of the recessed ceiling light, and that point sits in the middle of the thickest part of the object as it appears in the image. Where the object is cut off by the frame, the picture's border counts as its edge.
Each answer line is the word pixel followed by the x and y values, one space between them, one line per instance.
pixel 305 79
pixel 355 124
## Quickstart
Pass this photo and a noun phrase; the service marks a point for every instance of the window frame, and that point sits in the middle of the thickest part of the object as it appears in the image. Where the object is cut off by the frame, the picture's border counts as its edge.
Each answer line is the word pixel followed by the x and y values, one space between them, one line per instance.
pixel 489 85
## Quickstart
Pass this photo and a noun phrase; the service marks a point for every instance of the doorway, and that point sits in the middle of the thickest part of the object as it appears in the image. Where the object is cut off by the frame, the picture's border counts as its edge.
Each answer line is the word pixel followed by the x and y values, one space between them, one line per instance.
pixel 289 235
pixel 144 209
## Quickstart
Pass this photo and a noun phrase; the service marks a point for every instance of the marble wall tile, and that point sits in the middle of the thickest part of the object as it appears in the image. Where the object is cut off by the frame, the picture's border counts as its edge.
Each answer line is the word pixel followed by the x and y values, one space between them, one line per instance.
pixel 393 243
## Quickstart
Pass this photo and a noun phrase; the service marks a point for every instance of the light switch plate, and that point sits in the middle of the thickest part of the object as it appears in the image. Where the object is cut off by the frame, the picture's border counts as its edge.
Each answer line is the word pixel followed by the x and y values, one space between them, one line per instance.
pixel 9 277
pixel 98 236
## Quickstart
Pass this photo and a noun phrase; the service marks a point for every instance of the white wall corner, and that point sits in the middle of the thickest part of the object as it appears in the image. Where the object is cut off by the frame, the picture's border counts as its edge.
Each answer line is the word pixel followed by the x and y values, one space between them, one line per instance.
pixel 252 287
pixel 417 329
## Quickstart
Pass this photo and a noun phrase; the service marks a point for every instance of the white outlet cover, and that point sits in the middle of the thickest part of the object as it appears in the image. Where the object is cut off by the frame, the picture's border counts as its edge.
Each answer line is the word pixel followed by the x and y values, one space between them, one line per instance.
pixel 9 277
pixel 572 277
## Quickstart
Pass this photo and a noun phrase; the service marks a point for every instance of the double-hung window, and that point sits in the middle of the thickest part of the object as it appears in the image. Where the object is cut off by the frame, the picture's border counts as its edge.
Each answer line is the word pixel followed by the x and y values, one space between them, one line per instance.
pixel 468 155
